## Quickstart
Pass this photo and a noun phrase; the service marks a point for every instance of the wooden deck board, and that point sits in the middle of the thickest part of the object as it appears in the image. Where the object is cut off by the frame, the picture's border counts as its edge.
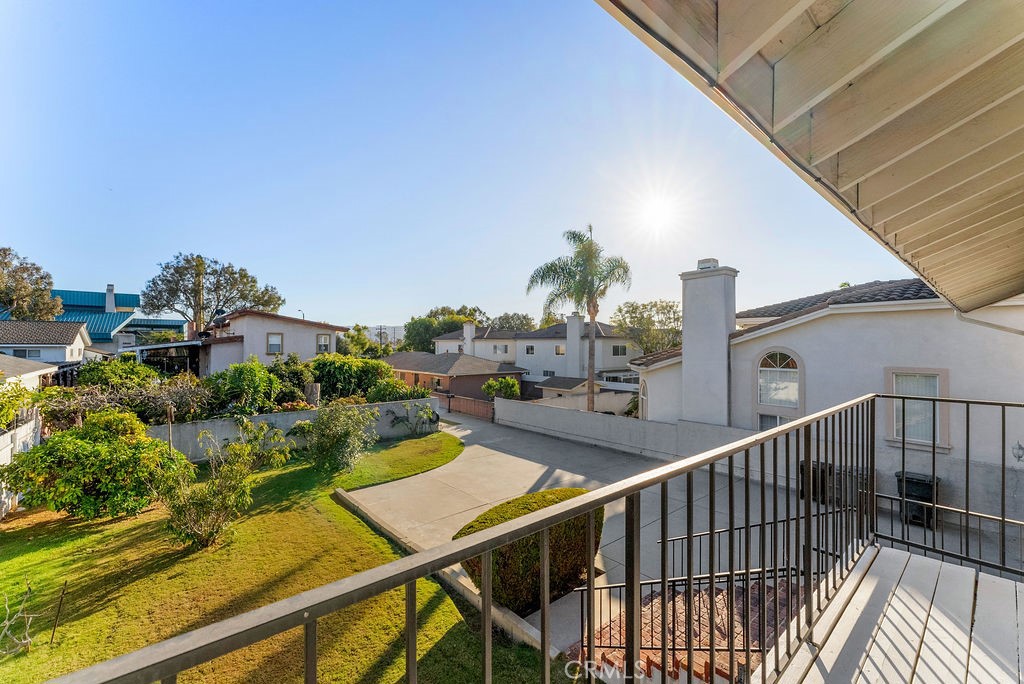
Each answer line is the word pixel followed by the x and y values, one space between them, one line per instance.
pixel 947 637
pixel 993 655
pixel 893 652
pixel 842 655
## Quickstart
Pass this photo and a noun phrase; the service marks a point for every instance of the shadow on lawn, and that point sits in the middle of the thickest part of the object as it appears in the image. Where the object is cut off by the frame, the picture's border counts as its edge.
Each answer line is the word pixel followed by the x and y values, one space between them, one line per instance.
pixel 282 491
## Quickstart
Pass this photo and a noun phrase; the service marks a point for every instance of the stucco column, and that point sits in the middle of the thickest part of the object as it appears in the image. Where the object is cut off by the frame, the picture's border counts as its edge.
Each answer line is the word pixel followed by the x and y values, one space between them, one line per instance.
pixel 469 338
pixel 574 346
pixel 709 317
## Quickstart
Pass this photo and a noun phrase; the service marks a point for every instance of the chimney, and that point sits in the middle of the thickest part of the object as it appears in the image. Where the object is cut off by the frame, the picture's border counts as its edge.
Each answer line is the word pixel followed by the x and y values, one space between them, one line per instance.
pixel 109 306
pixel 709 317
pixel 468 338
pixel 574 345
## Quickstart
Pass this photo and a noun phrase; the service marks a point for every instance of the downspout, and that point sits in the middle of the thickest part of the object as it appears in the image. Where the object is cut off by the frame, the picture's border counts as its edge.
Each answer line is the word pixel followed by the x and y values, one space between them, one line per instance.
pixel 988 324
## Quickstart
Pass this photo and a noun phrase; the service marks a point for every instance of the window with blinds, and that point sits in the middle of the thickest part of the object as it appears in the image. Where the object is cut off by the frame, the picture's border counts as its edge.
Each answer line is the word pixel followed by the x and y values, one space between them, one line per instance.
pixel 778 381
pixel 919 414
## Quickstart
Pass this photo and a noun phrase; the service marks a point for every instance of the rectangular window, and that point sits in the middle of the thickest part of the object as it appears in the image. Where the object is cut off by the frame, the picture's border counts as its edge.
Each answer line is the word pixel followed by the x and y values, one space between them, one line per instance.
pixel 618 350
pixel 275 343
pixel 501 349
pixel 529 350
pixel 779 387
pixel 559 350
pixel 766 422
pixel 323 344
pixel 21 353
pixel 919 418
pixel 549 374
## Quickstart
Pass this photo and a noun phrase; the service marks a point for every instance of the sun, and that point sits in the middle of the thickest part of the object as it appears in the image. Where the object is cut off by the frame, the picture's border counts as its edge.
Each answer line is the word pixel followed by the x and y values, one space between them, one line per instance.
pixel 656 212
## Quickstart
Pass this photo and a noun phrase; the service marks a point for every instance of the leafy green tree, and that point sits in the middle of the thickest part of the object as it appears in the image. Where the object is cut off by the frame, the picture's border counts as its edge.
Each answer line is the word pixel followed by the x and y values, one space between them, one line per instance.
pixel 344 376
pixel 550 318
pixel 25 289
pixel 504 387
pixel 581 279
pixel 13 396
pixel 108 467
pixel 293 374
pixel 652 326
pixel 339 435
pixel 244 389
pixel 393 389
pixel 121 373
pixel 420 332
pixel 196 287
pixel 513 321
pixel 473 313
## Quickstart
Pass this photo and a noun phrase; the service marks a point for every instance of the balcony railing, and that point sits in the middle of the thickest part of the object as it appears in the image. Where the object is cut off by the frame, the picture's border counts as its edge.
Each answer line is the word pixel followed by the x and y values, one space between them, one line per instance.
pixel 803 494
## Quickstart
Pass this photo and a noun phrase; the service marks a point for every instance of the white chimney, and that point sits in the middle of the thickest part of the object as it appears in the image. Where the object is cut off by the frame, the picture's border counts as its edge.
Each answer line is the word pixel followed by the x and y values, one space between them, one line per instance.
pixel 575 361
pixel 109 305
pixel 709 317
pixel 469 338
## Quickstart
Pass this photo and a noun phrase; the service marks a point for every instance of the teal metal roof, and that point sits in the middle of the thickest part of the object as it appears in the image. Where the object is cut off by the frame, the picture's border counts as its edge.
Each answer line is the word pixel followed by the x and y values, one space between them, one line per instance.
pixel 101 326
pixel 82 299
pixel 159 323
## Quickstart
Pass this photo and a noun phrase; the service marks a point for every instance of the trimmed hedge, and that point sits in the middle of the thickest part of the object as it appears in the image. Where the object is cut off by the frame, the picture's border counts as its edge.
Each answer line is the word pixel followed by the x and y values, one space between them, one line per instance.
pixel 516 577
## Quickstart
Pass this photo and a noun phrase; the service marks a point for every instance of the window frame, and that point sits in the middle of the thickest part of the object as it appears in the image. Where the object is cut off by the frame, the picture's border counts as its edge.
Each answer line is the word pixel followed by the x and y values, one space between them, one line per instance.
pixel 548 373
pixel 783 413
pixel 530 350
pixel 327 347
pixel 942 441
pixel 562 347
pixel 273 353
pixel 617 347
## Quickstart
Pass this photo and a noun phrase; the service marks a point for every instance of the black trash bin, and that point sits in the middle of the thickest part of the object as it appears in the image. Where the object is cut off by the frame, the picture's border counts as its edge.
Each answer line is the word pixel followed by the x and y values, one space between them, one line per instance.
pixel 920 490
pixel 822 482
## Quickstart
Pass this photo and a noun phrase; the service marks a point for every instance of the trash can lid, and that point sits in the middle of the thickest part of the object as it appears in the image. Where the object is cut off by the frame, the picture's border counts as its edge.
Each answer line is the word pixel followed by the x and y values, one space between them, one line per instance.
pixel 911 476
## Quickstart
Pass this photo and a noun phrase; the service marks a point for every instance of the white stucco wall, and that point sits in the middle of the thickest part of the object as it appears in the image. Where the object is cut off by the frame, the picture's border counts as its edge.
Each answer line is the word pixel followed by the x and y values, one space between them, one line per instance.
pixel 664 393
pixel 299 337
pixel 51 353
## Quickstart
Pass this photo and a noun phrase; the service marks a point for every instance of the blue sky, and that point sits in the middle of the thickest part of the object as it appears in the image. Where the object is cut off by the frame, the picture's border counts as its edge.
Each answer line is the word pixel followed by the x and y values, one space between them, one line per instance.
pixel 373 160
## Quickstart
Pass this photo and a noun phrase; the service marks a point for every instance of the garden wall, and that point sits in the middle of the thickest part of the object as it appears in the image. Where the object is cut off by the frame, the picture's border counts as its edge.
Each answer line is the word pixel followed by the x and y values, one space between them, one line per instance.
pixel 616 402
pixel 21 438
pixel 665 441
pixel 185 436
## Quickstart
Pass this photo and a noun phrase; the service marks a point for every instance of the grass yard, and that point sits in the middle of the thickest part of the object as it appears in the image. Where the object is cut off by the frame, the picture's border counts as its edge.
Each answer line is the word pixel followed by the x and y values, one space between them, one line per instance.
pixel 130 585
pixel 388 461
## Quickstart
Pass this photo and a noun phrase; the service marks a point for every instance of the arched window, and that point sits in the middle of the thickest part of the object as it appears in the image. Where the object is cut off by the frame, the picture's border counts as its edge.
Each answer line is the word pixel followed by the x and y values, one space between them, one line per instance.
pixel 642 403
pixel 778 380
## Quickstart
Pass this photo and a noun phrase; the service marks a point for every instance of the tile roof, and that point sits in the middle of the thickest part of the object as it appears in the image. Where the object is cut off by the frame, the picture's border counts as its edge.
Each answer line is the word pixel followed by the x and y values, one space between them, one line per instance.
pixel 561 382
pixel 484 333
pixel 557 332
pixel 12 367
pixel 875 291
pixel 225 320
pixel 654 358
pixel 448 364
pixel 39 332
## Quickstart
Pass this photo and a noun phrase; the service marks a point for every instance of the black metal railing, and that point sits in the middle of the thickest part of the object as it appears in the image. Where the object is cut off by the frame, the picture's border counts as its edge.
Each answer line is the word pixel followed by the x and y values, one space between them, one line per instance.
pixel 953 493
pixel 686 496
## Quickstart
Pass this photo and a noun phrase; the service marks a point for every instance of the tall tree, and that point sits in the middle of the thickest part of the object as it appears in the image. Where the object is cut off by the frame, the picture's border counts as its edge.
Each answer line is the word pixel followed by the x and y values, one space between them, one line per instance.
pixel 652 326
pixel 197 287
pixel 474 313
pixel 550 318
pixel 420 331
pixel 513 321
pixel 25 289
pixel 582 279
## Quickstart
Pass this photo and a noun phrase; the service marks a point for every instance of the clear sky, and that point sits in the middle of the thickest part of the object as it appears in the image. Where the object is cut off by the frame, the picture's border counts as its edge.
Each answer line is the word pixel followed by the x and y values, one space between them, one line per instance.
pixel 373 160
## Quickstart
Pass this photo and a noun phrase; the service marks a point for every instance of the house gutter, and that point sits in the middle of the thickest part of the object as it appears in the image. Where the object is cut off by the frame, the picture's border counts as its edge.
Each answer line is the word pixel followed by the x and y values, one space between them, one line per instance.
pixel 988 324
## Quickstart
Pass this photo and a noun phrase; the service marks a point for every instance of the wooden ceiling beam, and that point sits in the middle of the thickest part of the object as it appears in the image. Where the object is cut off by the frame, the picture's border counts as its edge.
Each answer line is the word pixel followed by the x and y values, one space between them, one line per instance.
pixel 948 212
pixel 968 249
pixel 911 239
pixel 939 245
pixel 991 259
pixel 856 39
pixel 985 295
pixel 970 34
pixel 994 82
pixel 745 27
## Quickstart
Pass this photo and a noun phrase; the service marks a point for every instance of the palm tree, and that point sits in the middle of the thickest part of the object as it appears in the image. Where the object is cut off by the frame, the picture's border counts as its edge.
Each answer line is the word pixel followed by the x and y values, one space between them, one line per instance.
pixel 581 279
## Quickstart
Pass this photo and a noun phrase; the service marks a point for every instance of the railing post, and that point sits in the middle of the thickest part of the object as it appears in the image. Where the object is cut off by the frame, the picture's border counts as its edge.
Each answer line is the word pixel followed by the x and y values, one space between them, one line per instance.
pixel 591 599
pixel 872 473
pixel 545 609
pixel 809 482
pixel 632 614
pixel 410 632
pixel 486 582
pixel 310 648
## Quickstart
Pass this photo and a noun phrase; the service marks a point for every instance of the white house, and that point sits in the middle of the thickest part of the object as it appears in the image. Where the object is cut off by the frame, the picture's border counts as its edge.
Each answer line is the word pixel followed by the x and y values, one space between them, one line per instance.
pixel 558 350
pixel 29 374
pixel 44 341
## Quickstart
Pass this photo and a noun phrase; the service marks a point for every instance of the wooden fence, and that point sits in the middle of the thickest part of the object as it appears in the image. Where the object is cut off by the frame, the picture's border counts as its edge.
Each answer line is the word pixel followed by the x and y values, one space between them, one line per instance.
pixel 479 408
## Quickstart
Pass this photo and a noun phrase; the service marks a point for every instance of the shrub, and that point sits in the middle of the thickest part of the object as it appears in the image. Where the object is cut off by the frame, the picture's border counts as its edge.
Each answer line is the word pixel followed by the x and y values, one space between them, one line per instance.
pixel 294 375
pixel 516 576
pixel 13 396
pixel 504 387
pixel 338 436
pixel 200 512
pixel 244 389
pixel 106 468
pixel 122 373
pixel 418 418
pixel 393 389
pixel 343 376
pixel 294 406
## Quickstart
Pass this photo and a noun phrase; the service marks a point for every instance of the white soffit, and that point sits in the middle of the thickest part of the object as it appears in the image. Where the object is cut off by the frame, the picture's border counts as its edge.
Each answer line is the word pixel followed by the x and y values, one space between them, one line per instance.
pixel 907 116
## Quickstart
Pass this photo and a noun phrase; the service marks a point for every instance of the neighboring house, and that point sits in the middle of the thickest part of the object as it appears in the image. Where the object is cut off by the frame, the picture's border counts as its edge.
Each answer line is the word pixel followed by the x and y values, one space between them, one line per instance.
pixel 559 386
pixel 29 374
pixel 450 372
pixel 762 367
pixel 236 336
pixel 555 351
pixel 57 342
pixel 113 319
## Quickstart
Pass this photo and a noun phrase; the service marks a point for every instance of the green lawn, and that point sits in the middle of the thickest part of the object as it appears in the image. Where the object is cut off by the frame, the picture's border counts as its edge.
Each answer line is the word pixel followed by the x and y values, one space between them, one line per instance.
pixel 129 585
pixel 389 461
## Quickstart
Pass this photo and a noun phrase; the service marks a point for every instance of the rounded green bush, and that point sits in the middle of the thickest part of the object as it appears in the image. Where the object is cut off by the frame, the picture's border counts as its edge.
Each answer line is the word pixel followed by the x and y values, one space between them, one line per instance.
pixel 516 578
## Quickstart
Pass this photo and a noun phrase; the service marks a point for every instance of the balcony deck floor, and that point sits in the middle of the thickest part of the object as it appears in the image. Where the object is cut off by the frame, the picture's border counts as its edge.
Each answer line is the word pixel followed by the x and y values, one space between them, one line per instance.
pixel 916 619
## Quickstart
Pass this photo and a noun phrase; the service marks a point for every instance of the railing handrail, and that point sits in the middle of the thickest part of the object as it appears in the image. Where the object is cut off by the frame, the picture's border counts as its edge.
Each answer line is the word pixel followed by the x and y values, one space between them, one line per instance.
pixel 952 400
pixel 200 645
